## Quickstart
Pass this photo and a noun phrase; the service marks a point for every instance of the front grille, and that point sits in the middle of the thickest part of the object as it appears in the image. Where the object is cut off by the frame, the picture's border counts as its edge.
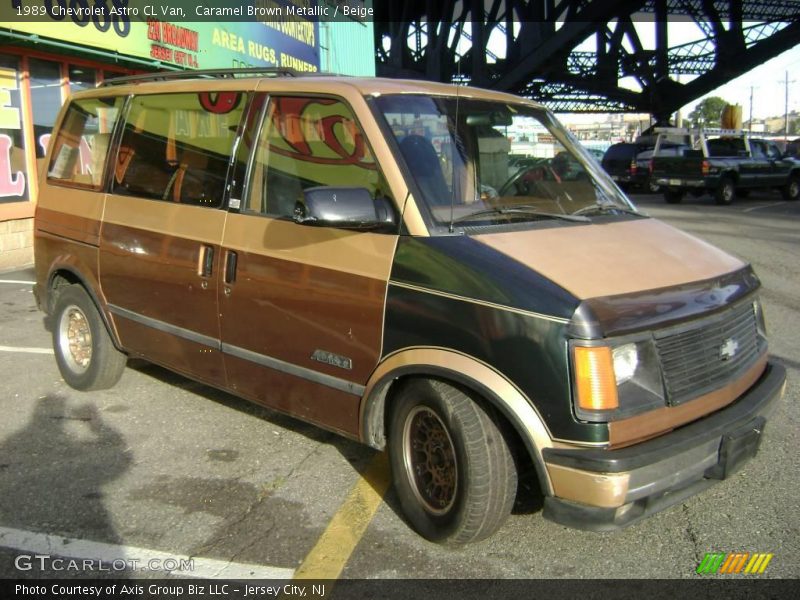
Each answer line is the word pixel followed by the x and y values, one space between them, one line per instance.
pixel 710 354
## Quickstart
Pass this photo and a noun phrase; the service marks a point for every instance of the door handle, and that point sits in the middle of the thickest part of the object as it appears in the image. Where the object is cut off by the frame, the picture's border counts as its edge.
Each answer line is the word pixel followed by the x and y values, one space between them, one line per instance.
pixel 230 266
pixel 206 261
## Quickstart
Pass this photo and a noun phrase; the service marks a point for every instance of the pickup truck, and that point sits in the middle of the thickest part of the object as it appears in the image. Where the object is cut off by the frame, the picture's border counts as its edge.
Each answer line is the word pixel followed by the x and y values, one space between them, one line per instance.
pixel 726 166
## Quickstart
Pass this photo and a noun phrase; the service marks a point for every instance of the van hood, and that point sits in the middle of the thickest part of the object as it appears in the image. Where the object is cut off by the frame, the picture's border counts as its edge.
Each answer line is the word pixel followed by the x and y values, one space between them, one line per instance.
pixel 600 278
pixel 615 258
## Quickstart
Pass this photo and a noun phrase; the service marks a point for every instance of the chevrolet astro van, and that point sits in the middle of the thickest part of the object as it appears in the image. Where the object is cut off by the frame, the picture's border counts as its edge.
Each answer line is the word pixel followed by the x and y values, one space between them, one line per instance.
pixel 361 254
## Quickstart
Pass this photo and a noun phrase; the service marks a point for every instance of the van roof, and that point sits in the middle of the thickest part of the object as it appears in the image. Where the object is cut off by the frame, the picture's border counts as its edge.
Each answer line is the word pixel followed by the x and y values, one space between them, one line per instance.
pixel 288 82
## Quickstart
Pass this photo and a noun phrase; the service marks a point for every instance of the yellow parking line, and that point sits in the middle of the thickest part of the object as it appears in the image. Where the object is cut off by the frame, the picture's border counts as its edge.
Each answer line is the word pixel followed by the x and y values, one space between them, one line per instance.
pixel 330 554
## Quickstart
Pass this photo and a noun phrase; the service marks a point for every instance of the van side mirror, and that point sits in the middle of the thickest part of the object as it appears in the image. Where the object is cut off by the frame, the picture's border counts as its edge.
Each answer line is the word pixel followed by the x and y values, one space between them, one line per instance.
pixel 343 207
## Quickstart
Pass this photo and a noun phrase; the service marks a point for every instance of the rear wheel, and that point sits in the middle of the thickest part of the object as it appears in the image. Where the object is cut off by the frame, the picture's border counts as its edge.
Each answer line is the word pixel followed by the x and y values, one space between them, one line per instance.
pixel 791 191
pixel 451 466
pixel 85 354
pixel 673 196
pixel 726 191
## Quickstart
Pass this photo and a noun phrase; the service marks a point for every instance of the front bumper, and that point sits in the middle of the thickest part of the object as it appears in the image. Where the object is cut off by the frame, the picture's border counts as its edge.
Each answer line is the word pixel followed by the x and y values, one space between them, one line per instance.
pixel 604 490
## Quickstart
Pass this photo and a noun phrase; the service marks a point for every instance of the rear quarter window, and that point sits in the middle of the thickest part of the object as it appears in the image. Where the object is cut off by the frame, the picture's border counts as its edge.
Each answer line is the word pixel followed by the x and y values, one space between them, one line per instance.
pixel 81 148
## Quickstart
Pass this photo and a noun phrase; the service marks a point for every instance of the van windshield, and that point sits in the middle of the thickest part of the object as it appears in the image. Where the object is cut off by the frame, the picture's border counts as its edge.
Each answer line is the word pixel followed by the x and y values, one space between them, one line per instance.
pixel 476 162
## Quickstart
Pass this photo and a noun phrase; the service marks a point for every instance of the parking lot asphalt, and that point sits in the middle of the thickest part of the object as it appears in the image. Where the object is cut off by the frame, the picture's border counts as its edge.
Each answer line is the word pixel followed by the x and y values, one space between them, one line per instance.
pixel 161 466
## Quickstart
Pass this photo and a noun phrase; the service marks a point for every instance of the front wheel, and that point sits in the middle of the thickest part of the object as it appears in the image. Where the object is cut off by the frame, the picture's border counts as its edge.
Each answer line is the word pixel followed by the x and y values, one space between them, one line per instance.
pixel 791 191
pixel 85 354
pixel 451 466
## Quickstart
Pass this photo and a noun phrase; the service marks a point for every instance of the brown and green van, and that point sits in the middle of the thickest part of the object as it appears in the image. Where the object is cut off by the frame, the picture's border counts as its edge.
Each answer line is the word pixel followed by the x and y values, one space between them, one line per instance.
pixel 363 254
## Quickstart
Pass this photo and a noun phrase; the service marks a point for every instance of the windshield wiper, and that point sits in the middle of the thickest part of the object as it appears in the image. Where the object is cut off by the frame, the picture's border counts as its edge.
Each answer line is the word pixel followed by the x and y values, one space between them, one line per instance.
pixel 606 208
pixel 522 211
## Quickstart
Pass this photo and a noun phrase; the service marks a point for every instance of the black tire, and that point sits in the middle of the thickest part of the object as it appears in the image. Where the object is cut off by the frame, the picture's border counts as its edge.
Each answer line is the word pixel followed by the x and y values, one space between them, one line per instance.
pixel 673 196
pixel 86 356
pixel 791 191
pixel 451 466
pixel 726 191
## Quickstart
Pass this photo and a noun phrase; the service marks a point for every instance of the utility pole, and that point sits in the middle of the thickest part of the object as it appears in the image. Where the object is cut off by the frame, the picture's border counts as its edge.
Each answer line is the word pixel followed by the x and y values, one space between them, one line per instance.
pixel 786 82
pixel 751 110
pixel 786 112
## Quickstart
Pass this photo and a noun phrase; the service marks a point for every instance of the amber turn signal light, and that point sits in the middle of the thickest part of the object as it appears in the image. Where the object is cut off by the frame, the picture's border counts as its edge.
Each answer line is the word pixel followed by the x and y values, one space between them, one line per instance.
pixel 594 378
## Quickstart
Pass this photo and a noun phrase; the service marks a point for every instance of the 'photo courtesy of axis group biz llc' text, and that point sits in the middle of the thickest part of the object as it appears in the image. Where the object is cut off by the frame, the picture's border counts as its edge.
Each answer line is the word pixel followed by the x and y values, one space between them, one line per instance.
pixel 365 299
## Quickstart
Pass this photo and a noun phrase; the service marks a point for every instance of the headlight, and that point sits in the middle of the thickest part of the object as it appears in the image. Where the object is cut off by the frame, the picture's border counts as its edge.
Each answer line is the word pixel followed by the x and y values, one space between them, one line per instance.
pixel 616 379
pixel 626 359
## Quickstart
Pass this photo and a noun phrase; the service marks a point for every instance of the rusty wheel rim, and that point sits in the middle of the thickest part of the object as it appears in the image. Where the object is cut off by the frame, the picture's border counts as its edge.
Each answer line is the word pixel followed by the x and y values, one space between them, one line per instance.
pixel 430 460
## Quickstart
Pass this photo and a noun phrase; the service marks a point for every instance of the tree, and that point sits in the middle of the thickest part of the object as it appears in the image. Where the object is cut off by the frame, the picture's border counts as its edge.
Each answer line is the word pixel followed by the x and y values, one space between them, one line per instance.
pixel 708 112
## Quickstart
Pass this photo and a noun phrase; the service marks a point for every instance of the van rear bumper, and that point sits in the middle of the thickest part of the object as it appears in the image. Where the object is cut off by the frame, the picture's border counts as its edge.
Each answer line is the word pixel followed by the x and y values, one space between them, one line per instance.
pixel 603 490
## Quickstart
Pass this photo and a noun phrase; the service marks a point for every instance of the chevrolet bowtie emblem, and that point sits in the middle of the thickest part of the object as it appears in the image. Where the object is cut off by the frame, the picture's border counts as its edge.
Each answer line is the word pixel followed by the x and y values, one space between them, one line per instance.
pixel 728 349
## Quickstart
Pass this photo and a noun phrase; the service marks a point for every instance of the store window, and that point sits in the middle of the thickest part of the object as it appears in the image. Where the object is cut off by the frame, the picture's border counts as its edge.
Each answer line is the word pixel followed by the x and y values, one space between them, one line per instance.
pixel 45 101
pixel 113 74
pixel 81 78
pixel 13 176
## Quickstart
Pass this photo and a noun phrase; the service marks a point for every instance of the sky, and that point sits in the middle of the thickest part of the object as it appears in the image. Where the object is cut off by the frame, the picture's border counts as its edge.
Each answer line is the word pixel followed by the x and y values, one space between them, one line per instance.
pixel 769 88
pixel 767 80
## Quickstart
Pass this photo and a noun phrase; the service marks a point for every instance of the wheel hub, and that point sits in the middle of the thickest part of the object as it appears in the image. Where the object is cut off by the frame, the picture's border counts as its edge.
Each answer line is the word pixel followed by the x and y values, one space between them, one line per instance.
pixel 76 339
pixel 430 460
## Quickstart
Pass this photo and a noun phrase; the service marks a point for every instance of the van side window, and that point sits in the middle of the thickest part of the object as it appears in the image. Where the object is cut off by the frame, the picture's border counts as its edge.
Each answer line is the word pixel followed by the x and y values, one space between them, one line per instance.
pixel 308 142
pixel 176 147
pixel 79 153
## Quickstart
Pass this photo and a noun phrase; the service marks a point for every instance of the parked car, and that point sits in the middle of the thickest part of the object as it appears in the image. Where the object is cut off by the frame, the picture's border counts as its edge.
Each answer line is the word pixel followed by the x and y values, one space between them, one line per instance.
pixel 726 166
pixel 354 252
pixel 619 161
pixel 597 153
pixel 629 163
pixel 644 165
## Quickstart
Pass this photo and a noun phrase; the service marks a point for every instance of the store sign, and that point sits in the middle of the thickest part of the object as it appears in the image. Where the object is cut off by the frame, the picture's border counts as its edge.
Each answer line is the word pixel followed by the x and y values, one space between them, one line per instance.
pixel 12 178
pixel 256 33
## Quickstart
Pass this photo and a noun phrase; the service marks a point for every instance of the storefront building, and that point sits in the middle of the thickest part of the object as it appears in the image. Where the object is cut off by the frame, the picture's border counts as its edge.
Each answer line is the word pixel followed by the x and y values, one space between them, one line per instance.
pixel 43 59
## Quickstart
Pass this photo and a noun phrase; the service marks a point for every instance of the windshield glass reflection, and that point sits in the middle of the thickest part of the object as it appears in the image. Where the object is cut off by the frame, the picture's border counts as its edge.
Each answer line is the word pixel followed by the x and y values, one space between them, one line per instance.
pixel 479 162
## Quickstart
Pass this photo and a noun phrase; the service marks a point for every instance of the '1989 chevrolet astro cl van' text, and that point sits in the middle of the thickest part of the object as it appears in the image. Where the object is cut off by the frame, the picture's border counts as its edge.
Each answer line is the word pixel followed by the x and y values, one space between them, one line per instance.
pixel 362 254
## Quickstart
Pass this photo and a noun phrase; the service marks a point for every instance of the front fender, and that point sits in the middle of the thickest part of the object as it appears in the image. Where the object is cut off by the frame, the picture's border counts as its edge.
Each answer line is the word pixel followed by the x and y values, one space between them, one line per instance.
pixel 466 371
